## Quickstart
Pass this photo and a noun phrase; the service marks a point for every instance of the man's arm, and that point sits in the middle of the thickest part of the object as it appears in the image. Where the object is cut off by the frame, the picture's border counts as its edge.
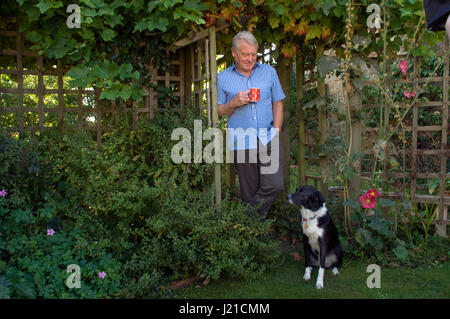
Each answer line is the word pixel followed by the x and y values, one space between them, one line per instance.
pixel 239 100
pixel 277 110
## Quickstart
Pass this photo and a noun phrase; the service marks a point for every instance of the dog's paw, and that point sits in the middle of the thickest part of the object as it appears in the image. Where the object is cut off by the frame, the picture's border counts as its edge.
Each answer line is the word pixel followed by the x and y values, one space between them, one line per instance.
pixel 307 275
pixel 335 271
pixel 319 285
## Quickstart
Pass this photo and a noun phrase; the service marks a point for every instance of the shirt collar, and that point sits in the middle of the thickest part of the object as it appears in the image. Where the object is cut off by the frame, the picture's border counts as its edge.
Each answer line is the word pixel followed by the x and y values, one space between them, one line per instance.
pixel 233 67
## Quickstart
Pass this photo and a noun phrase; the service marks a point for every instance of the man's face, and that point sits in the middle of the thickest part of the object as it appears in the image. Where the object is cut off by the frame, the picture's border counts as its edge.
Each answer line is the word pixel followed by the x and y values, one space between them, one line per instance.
pixel 245 56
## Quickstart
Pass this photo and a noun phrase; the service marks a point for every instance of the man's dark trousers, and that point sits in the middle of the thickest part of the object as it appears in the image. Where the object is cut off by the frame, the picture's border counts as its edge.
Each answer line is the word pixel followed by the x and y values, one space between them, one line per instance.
pixel 258 188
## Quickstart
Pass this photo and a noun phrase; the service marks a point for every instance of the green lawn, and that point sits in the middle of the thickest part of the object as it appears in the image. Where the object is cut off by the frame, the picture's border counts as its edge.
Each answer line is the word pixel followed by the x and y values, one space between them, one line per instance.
pixel 286 282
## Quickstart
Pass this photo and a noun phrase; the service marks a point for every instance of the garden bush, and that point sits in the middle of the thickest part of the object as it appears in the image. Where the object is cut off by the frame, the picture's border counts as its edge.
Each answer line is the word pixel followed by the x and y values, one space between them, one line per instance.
pixel 125 211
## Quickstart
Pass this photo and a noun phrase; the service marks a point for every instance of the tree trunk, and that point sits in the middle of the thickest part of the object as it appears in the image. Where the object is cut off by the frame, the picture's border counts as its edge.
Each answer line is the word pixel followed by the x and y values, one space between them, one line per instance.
pixel 284 72
pixel 301 161
pixel 322 125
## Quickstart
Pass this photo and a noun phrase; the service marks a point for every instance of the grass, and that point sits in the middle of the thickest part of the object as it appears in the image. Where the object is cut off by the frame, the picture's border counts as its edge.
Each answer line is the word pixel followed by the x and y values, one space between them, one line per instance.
pixel 285 282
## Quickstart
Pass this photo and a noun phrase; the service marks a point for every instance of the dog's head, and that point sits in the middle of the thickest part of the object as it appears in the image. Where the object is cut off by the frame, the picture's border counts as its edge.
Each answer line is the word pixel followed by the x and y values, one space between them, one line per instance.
pixel 308 197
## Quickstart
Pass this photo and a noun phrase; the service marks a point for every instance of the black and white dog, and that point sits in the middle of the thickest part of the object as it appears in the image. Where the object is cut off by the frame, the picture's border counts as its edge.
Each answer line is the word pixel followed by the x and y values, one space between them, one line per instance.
pixel 320 237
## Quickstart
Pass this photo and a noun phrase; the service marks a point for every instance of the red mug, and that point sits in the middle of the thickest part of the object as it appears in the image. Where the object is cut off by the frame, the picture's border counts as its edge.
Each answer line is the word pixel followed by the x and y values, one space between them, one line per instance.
pixel 254 94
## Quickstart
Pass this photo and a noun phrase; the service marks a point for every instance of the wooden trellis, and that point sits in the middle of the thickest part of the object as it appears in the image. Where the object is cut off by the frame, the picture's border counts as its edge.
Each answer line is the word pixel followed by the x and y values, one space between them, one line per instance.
pixel 53 103
pixel 198 52
pixel 56 103
pixel 414 176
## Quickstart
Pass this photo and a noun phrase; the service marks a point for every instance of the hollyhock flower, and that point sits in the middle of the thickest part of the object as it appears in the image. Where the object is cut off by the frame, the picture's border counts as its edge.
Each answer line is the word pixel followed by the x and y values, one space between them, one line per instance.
pixel 3 193
pixel 408 95
pixel 367 201
pixel 50 232
pixel 403 66
pixel 373 193
pixel 102 274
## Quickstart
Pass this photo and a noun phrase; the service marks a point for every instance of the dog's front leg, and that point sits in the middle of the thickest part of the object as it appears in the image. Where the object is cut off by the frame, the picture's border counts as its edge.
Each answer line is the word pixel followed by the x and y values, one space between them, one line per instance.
pixel 308 266
pixel 322 257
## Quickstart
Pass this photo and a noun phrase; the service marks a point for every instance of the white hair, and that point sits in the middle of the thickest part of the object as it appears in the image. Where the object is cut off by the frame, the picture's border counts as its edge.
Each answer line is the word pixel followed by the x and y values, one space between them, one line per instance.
pixel 246 36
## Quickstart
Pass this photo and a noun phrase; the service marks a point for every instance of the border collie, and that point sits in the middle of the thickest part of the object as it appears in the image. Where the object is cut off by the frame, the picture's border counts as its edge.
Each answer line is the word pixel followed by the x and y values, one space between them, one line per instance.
pixel 320 237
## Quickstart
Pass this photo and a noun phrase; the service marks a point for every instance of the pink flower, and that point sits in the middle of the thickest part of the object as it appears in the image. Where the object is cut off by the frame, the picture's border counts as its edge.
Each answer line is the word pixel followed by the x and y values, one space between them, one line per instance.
pixel 3 193
pixel 403 66
pixel 367 201
pixel 102 274
pixel 372 193
pixel 50 232
pixel 408 95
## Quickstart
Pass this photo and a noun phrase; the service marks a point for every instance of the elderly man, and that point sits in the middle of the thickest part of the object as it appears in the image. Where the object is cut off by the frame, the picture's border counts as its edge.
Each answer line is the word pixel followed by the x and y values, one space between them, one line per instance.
pixel 253 126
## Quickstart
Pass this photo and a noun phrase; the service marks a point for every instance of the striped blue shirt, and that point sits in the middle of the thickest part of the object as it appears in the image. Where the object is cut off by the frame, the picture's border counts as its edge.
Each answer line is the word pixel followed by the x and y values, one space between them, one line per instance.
pixel 255 120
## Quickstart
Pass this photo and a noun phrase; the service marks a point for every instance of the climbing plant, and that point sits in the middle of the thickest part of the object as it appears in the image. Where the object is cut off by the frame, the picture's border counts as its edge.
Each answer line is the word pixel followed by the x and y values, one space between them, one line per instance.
pixel 114 39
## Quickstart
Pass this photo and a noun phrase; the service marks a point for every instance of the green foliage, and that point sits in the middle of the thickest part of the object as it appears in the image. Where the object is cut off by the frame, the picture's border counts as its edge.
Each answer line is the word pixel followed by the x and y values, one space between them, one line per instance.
pixel 106 50
pixel 286 219
pixel 24 173
pixel 32 263
pixel 125 209
pixel 375 236
pixel 116 34
pixel 392 232
pixel 189 238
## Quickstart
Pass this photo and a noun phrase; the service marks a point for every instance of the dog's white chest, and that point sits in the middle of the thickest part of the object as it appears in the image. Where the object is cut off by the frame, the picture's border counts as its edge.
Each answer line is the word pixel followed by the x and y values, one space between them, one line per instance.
pixel 310 226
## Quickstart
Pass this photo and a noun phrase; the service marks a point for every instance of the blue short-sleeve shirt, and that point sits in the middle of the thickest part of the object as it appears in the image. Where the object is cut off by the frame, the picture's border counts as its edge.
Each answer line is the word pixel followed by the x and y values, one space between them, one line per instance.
pixel 253 121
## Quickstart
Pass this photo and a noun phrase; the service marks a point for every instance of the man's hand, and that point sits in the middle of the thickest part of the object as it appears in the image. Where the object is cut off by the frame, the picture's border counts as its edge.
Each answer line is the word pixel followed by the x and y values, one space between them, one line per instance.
pixel 277 110
pixel 239 100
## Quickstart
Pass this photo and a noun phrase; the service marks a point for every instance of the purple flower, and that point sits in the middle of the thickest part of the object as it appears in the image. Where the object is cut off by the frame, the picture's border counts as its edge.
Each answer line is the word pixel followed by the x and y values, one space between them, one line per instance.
pixel 50 232
pixel 3 193
pixel 102 274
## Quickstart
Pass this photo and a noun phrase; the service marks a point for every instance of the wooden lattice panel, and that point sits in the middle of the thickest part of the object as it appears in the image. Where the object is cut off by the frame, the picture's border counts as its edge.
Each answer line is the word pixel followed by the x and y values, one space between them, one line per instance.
pixel 35 94
pixel 426 136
